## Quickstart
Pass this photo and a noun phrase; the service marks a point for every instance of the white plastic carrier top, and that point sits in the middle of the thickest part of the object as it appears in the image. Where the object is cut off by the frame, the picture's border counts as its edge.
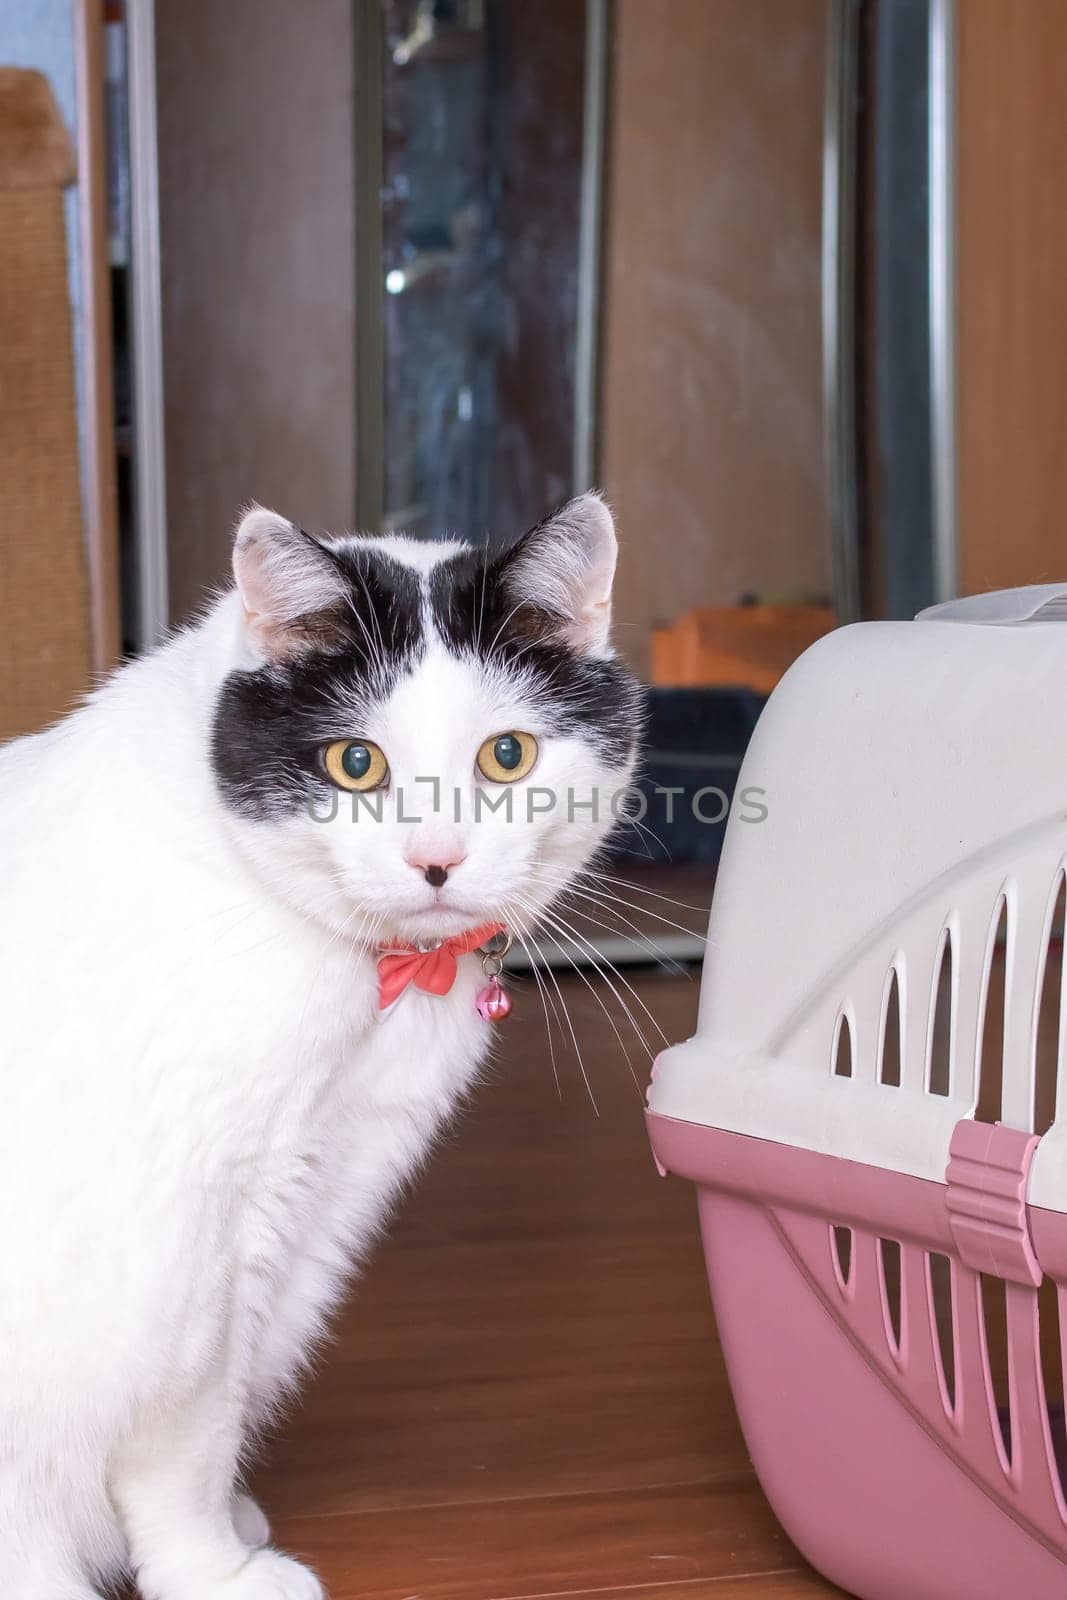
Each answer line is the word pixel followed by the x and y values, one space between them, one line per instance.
pixel 915 784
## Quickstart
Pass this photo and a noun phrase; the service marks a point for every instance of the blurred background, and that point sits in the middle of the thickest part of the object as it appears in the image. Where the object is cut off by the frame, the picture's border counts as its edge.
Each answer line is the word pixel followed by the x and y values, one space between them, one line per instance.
pixel 787 278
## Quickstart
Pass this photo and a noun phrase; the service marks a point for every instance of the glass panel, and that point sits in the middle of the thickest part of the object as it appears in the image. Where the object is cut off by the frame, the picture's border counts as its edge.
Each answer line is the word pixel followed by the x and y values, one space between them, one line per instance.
pixel 481 190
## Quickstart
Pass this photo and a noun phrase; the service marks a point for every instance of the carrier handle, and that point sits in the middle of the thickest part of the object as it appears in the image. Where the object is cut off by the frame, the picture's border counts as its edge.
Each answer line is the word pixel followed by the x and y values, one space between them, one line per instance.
pixel 1038 602
pixel 978 1214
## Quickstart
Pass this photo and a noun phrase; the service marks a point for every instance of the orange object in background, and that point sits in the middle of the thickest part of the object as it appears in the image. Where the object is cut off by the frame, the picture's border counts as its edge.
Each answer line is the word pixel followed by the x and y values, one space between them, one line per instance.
pixel 746 646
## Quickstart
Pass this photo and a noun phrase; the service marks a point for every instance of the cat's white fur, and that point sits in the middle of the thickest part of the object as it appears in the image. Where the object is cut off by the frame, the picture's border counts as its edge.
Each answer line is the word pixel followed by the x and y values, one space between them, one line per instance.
pixel 204 1116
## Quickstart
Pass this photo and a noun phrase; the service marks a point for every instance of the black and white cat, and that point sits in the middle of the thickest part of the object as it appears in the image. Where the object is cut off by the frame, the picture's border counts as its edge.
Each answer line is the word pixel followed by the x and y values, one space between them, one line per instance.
pixel 205 1112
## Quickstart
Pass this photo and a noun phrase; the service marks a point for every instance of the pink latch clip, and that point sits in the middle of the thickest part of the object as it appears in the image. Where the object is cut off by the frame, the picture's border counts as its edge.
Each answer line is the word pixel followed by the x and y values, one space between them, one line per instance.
pixel 987 1176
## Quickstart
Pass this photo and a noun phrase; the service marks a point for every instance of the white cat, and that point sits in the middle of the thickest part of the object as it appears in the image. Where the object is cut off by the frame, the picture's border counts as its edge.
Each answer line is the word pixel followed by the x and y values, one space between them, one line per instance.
pixel 205 1113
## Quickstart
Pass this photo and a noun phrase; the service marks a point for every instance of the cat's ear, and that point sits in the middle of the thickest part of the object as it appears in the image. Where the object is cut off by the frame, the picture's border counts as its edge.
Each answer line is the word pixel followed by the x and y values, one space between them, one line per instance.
pixel 565 567
pixel 292 590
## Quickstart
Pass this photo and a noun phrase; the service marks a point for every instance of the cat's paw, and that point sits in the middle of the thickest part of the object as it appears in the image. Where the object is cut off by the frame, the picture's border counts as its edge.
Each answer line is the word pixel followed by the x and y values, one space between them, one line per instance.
pixel 270 1576
pixel 249 1522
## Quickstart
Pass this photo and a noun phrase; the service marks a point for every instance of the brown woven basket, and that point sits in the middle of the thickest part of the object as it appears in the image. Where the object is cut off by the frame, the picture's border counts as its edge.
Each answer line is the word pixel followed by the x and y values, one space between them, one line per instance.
pixel 44 627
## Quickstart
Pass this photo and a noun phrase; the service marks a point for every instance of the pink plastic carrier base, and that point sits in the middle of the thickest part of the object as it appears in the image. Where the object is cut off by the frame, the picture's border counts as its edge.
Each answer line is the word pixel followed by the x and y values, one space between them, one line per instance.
pixel 886 1487
pixel 874 1105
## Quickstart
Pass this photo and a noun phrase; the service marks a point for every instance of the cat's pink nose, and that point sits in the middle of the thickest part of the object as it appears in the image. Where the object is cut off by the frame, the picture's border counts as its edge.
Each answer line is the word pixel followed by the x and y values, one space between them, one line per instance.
pixel 436 872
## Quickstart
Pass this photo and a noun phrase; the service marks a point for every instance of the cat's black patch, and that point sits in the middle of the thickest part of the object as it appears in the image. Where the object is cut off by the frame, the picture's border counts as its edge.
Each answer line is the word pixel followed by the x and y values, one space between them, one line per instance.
pixel 474 613
pixel 271 723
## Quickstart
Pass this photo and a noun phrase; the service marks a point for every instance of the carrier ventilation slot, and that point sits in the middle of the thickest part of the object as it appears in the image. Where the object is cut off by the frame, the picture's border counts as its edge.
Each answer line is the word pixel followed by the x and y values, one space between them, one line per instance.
pixel 889 1284
pixel 1051 1348
pixel 991 1025
pixel 892 1041
pixel 843 1047
pixel 995 1354
pixel 841 1252
pixel 942 1319
pixel 1050 1017
pixel 939 1048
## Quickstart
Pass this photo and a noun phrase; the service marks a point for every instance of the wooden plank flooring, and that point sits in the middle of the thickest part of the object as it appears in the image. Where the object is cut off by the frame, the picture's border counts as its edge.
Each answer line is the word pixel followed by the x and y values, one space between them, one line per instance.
pixel 526 1397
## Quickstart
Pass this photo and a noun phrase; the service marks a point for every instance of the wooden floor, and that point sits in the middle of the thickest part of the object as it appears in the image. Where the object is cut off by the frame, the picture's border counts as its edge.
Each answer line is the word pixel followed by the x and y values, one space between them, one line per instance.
pixel 526 1398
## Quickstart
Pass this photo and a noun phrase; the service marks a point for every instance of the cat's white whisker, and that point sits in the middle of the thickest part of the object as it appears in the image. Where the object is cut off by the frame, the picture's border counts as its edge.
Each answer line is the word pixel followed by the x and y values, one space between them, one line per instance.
pixel 574 1038
pixel 575 887
pixel 515 923
pixel 574 901
pixel 558 924
pixel 600 1001
pixel 591 871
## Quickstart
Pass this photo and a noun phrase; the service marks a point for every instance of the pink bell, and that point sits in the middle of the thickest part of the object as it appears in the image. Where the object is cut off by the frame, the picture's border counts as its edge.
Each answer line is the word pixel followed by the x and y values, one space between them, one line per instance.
pixel 493 1002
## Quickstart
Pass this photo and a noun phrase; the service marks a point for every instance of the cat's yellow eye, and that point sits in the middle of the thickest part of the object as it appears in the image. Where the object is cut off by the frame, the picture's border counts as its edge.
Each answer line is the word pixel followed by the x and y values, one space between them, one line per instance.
pixel 355 764
pixel 507 757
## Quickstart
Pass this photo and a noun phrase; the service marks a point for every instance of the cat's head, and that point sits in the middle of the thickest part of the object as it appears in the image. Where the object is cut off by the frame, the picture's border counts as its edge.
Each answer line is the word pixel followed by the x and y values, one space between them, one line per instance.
pixel 422 737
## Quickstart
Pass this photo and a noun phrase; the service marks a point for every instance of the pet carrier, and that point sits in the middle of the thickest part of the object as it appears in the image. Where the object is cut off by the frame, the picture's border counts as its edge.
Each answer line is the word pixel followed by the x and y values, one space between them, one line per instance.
pixel 868 1107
